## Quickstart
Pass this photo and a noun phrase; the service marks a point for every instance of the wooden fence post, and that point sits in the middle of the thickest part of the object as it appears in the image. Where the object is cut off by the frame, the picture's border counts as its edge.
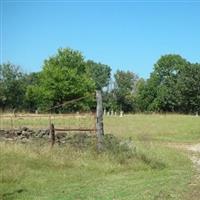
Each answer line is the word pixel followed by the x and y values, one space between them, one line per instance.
pixel 52 135
pixel 99 120
pixel 11 121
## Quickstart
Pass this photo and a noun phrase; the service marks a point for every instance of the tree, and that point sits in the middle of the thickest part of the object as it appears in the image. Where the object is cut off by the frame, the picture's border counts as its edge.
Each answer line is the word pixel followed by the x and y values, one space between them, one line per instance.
pixel 140 98
pixel 168 69
pixel 12 86
pixel 188 85
pixel 125 90
pixel 173 86
pixel 63 78
pixel 100 74
pixel 110 101
pixel 160 92
pixel 32 95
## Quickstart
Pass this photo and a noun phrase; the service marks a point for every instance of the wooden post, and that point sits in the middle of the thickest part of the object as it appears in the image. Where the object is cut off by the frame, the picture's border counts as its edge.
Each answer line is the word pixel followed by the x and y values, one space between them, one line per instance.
pixel 99 122
pixel 52 135
pixel 50 119
pixel 95 118
pixel 11 121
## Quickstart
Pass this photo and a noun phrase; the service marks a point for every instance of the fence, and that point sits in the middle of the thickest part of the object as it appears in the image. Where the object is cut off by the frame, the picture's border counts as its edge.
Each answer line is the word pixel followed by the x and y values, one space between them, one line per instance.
pixel 62 122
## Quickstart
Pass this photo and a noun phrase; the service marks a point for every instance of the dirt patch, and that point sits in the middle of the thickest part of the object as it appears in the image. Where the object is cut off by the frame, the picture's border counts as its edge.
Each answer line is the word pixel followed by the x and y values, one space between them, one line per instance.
pixel 193 151
pixel 194 148
pixel 195 156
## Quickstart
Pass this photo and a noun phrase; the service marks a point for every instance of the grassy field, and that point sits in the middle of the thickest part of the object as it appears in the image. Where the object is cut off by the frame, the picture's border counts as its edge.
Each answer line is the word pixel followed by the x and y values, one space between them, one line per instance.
pixel 148 170
pixel 169 128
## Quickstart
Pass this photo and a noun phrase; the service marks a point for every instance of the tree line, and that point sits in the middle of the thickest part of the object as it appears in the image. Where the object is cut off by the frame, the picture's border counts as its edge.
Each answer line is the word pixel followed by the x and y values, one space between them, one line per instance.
pixel 173 86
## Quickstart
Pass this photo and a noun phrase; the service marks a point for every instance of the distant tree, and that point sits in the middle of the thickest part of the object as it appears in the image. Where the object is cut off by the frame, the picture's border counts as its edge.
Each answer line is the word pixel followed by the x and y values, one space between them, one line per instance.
pixel 110 101
pixel 168 69
pixel 141 95
pixel 125 90
pixel 32 96
pixel 12 87
pixel 100 74
pixel 173 86
pixel 188 86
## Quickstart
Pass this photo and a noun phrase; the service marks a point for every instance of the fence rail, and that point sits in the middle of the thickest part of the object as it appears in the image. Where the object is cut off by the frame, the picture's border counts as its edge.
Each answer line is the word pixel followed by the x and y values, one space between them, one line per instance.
pixel 62 122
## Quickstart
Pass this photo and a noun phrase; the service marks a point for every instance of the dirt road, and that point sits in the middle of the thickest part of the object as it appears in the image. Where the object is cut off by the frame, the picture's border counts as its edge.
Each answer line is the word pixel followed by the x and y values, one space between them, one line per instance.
pixel 195 156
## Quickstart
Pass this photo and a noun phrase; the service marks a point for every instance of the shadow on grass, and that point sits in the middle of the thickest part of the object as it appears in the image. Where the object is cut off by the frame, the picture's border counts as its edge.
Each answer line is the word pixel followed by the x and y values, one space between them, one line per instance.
pixel 12 195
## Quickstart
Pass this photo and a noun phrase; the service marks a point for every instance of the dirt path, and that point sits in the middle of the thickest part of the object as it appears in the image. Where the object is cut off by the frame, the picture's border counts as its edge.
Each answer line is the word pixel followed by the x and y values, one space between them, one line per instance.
pixel 194 186
pixel 195 156
pixel 193 152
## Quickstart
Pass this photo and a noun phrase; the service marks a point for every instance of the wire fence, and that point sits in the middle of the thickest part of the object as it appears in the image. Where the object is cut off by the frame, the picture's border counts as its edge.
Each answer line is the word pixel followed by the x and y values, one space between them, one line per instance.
pixel 62 122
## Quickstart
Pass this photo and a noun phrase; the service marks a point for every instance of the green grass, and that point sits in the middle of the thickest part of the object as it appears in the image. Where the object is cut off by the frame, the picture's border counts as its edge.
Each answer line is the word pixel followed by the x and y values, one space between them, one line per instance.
pixel 30 172
pixel 151 171
pixel 169 128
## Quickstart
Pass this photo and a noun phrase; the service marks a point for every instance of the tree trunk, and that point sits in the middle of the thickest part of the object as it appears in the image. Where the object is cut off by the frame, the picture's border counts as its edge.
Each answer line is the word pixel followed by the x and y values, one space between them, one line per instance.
pixel 99 126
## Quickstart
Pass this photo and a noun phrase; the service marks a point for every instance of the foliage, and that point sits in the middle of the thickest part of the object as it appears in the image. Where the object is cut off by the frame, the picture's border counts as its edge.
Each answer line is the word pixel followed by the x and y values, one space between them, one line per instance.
pixel 63 78
pixel 99 73
pixel 12 86
pixel 173 86
pixel 110 101
pixel 169 87
pixel 122 96
pixel 189 86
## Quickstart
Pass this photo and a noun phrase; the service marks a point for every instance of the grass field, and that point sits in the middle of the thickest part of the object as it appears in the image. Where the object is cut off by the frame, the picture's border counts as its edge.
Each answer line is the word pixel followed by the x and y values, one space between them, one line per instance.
pixel 171 127
pixel 150 170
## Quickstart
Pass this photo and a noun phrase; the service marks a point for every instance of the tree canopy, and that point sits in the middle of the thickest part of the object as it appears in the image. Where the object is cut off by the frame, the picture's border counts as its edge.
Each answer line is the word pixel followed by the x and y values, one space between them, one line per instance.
pixel 168 87
pixel 173 86
pixel 125 88
pixel 12 86
pixel 100 73
pixel 63 78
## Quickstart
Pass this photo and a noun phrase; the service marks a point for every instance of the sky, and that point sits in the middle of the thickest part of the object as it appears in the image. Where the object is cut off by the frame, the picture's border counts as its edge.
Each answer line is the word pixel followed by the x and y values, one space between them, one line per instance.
pixel 126 35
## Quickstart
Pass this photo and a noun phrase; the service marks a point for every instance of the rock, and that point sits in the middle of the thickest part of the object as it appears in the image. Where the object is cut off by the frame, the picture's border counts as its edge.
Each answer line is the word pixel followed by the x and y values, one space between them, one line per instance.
pixel 26 134
pixel 2 133
pixel 24 129
pixel 43 133
pixel 18 132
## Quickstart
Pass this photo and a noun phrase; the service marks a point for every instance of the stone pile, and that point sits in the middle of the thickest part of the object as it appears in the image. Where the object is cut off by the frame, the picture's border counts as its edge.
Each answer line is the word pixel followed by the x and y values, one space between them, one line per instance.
pixel 23 133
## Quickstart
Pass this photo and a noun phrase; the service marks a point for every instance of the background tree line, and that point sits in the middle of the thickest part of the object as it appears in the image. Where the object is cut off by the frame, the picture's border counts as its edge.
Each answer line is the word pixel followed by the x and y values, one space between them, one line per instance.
pixel 173 86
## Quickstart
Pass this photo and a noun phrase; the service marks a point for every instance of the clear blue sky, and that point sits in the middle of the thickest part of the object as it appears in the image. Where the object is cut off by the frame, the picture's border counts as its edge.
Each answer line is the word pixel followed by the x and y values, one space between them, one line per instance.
pixel 128 35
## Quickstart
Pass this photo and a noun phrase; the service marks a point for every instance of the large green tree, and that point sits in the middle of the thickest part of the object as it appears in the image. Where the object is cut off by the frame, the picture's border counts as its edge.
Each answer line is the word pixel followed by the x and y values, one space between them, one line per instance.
pixel 63 78
pixel 168 70
pixel 172 87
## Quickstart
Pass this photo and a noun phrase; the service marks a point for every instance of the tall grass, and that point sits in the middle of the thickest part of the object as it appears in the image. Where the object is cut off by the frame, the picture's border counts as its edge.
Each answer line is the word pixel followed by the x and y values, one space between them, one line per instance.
pixel 134 166
pixel 30 172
